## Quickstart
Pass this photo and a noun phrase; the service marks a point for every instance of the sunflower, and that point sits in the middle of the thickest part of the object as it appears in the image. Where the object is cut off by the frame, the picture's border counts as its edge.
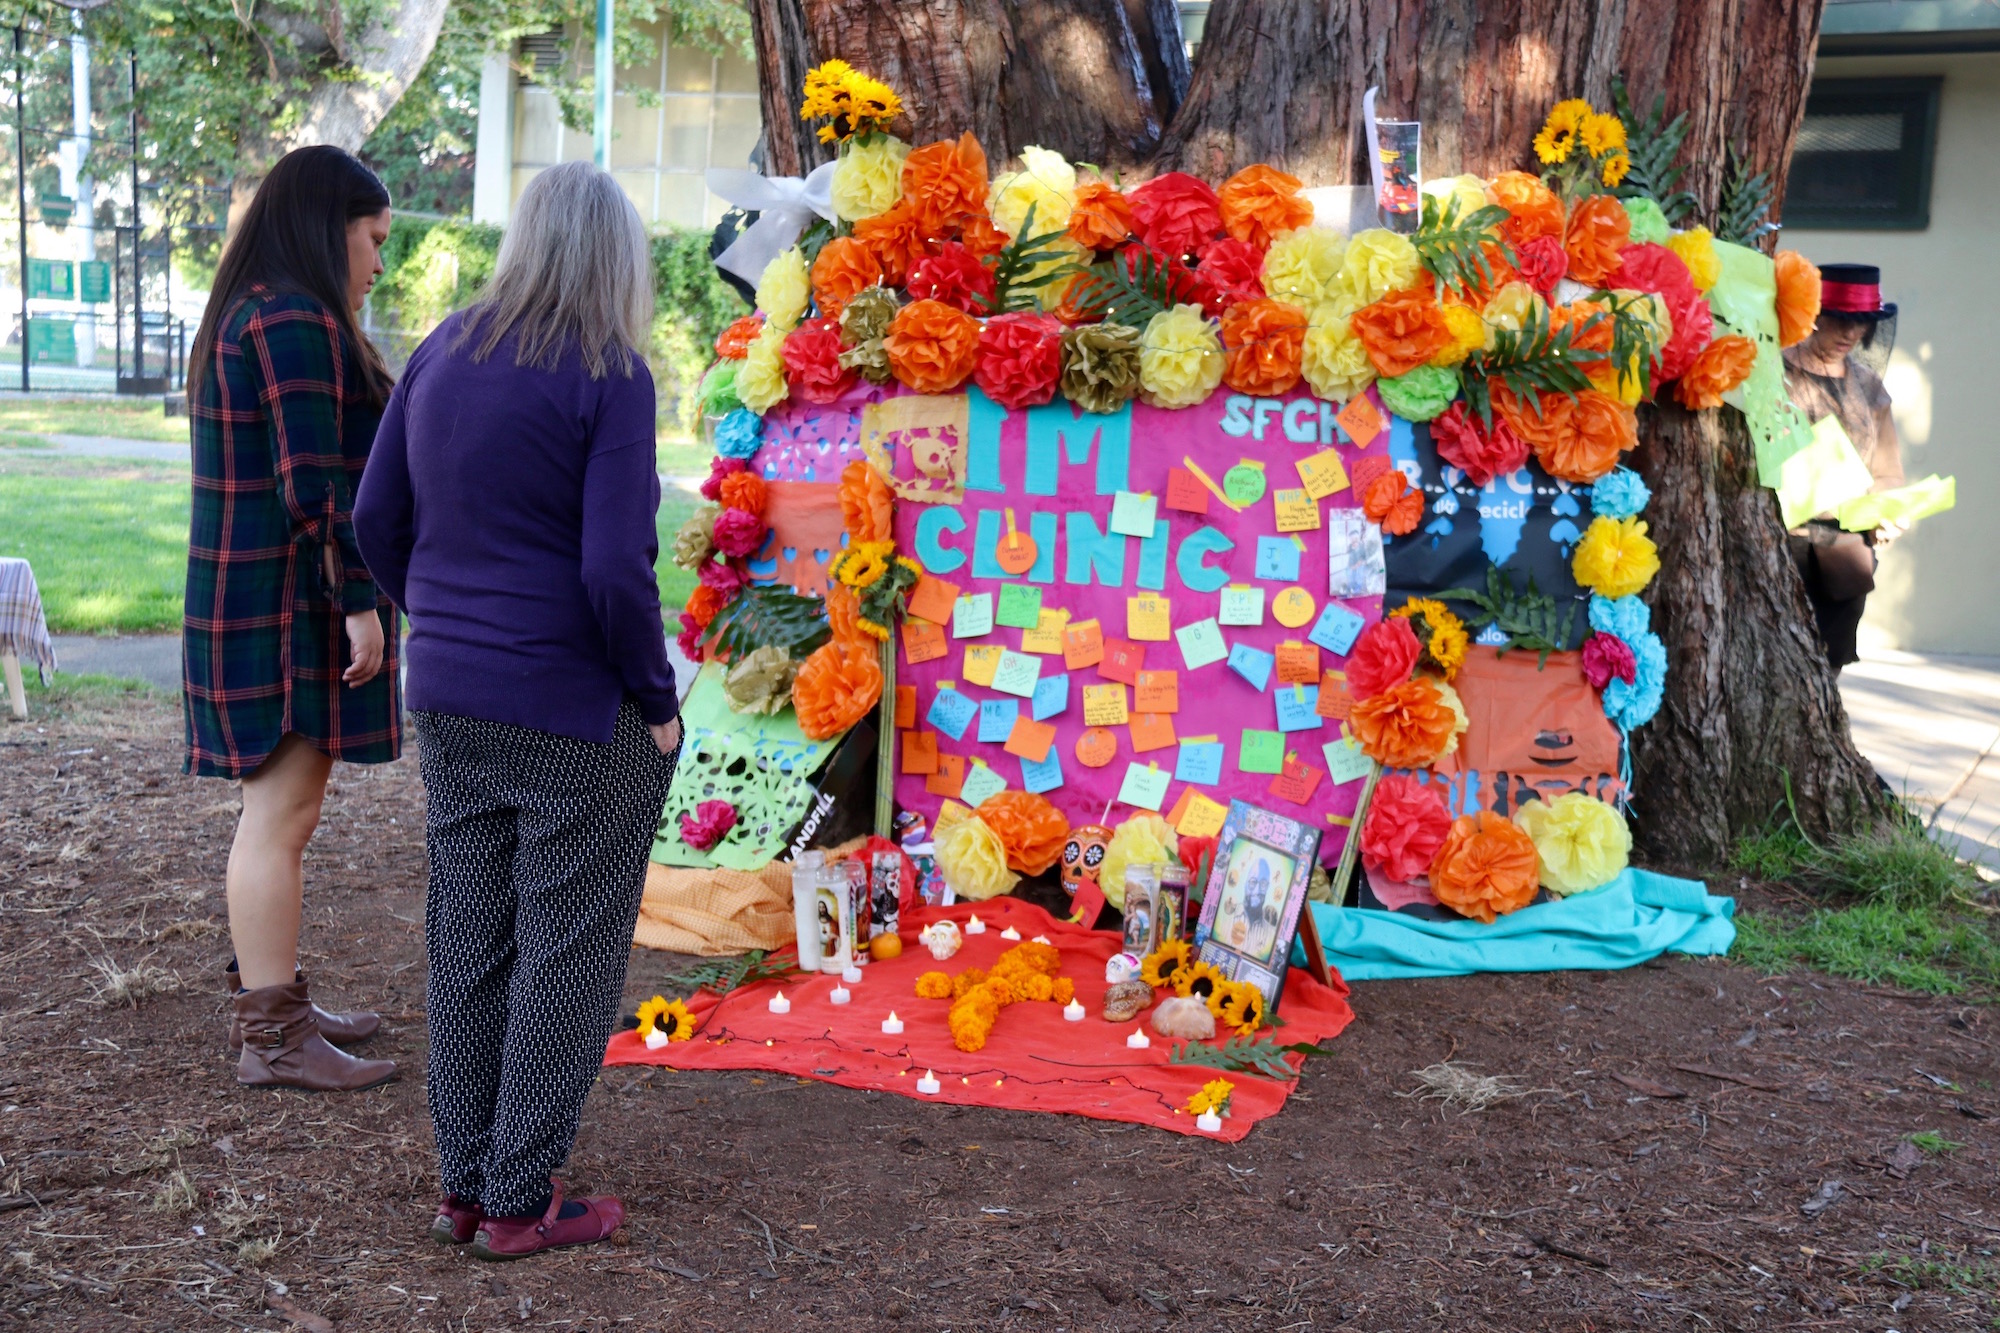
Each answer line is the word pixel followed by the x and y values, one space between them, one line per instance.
pixel 1242 1006
pixel 864 563
pixel 1442 633
pixel 1600 134
pixel 1165 965
pixel 1559 133
pixel 669 1018
pixel 1201 981
pixel 1615 167
pixel 650 1014
pixel 1214 1096
pixel 855 103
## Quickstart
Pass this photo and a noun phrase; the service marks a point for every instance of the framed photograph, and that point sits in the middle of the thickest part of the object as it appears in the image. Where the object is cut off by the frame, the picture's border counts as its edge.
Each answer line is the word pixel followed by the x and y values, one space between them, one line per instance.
pixel 1355 565
pixel 1255 896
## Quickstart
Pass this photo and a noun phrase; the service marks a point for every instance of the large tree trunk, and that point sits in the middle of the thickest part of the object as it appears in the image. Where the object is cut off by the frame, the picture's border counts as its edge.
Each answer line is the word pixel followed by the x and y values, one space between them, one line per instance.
pixel 1752 718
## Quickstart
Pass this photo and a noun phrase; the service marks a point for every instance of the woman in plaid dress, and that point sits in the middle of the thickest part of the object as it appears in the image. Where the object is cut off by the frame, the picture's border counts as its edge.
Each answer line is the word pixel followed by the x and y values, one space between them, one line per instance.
pixel 288 650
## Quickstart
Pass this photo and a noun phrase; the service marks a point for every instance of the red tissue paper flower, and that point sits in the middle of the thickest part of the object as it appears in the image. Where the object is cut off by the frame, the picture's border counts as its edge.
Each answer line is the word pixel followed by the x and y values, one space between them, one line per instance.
pixel 1176 214
pixel 718 468
pixel 689 639
pixel 954 276
pixel 1406 824
pixel 1191 850
pixel 709 824
pixel 725 579
pixel 1384 655
pixel 1481 454
pixel 1234 269
pixel 1542 263
pixel 812 361
pixel 738 533
pixel 1020 359
pixel 1605 656
pixel 1654 268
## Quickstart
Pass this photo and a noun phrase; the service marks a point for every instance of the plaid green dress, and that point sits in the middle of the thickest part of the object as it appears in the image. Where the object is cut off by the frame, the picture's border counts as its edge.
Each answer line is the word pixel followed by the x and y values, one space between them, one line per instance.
pixel 280 438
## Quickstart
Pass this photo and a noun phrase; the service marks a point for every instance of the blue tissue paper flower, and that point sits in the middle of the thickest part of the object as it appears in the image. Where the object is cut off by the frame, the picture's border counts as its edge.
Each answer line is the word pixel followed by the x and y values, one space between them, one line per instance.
pixel 1625 617
pixel 1635 704
pixel 739 434
pixel 1619 494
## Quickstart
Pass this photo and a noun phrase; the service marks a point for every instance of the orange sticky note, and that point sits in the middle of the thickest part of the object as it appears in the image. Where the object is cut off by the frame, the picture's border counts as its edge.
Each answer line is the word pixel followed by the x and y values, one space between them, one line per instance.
pixel 1047 635
pixel 1185 492
pixel 906 706
pixel 933 599
pixel 1122 661
pixel 1298 782
pixel 923 640
pixel 920 752
pixel 1083 644
pixel 1152 731
pixel 1360 420
pixel 1322 474
pixel 1366 470
pixel 1180 807
pixel 1149 618
pixel 1158 692
pixel 1104 706
pixel 949 778
pixel 981 661
pixel 1031 739
pixel 1334 700
pixel 1298 663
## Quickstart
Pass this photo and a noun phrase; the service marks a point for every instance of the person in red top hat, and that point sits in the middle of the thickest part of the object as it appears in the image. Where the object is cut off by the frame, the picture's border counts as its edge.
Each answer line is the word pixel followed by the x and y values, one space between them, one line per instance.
pixel 1837 371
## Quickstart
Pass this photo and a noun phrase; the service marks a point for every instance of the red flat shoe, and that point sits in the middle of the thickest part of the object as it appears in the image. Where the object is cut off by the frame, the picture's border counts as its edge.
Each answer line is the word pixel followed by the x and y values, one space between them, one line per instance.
pixel 516 1238
pixel 456 1221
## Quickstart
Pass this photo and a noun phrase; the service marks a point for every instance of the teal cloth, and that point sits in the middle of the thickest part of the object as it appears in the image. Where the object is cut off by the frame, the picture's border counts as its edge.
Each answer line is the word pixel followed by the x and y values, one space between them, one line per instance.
pixel 1637 916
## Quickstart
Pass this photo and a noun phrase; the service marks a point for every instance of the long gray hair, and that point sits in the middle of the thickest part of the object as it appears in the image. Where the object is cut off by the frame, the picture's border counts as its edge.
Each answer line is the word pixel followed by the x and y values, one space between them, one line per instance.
pixel 574 266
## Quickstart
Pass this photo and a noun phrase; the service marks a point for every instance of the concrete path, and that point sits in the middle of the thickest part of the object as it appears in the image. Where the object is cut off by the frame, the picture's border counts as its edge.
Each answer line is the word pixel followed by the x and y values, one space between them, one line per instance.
pixel 107 446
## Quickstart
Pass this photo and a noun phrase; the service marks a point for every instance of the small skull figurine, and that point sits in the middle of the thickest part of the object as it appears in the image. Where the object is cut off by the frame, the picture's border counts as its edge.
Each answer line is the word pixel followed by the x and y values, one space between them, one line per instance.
pixel 1082 855
pixel 942 938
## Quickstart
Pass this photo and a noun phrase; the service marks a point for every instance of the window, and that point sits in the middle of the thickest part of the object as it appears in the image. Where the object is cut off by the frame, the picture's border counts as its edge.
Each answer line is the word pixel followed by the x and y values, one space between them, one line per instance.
pixel 1863 159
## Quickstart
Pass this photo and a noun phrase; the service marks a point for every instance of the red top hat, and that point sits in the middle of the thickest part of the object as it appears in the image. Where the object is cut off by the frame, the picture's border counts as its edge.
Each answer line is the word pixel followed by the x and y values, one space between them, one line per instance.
pixel 1853 291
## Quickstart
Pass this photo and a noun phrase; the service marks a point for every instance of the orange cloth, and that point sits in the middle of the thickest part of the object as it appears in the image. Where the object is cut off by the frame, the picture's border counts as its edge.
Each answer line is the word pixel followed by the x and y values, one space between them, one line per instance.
pixel 805 520
pixel 716 912
pixel 1534 731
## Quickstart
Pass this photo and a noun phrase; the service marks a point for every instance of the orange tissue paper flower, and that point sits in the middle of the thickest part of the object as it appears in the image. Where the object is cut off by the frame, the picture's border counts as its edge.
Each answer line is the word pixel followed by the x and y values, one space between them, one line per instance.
pixel 744 490
pixel 1401 331
pixel 704 602
pixel 1532 207
pixel 836 687
pixel 897 238
pixel 845 266
pixel 1102 218
pixel 979 234
pixel 1588 437
pixel 946 181
pixel 1031 829
pixel 932 347
pixel 1718 368
pixel 1598 229
pixel 1486 868
pixel 867 506
pixel 1406 726
pixel 843 613
pixel 1540 419
pixel 1266 344
pixel 1260 202
pixel 1798 297
pixel 1393 504
pixel 734 344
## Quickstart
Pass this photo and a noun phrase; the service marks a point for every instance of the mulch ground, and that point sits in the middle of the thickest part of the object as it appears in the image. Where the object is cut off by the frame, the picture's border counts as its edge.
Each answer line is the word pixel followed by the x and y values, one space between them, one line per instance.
pixel 1693 1145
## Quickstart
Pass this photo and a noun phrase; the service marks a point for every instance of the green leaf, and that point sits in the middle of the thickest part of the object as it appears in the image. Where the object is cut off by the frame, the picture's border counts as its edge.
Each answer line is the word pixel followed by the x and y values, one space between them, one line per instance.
pixel 1453 248
pixel 1652 143
pixel 769 614
pixel 1015 280
pixel 1529 617
pixel 1744 217
pixel 1243 1055
pixel 1127 289
pixel 1533 361
pixel 722 975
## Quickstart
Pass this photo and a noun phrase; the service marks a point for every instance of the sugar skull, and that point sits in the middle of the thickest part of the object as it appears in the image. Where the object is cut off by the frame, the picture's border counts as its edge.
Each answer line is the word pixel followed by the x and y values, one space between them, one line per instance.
pixel 1082 855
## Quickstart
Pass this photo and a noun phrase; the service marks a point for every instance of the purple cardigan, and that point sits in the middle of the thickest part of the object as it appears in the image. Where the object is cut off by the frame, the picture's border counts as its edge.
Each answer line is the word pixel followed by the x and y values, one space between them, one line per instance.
pixel 509 512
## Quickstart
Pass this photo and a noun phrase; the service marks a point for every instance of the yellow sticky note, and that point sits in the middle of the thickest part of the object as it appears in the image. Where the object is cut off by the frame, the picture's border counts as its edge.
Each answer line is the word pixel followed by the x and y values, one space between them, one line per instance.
pixel 1104 706
pixel 1202 818
pixel 1148 618
pixel 1047 635
pixel 981 661
pixel 1322 474
pixel 1297 511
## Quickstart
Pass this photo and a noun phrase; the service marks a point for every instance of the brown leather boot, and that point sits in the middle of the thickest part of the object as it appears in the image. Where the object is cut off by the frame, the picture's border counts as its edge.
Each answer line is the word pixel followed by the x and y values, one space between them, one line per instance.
pixel 341 1029
pixel 282 1047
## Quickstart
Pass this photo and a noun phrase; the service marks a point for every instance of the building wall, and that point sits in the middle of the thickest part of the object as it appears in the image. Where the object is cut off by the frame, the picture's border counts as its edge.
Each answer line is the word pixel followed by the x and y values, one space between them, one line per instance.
pixel 1935 591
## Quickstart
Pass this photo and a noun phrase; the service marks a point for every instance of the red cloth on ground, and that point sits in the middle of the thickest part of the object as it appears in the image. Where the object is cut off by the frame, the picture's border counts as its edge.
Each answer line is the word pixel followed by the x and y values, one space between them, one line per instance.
pixel 1035 1060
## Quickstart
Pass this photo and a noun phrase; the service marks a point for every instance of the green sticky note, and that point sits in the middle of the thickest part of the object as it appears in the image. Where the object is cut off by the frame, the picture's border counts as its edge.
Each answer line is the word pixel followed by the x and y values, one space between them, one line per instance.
pixel 1261 752
pixel 1241 606
pixel 1017 673
pixel 1132 514
pixel 1344 761
pixel 981 782
pixel 972 616
pixel 1201 643
pixel 1244 484
pixel 1145 786
pixel 1020 605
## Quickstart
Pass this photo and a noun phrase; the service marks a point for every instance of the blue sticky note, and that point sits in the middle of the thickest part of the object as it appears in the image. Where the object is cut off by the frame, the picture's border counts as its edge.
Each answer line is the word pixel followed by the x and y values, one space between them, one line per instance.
pixel 951 713
pixel 1278 558
pixel 1200 761
pixel 1337 629
pixel 1298 708
pixel 1045 776
pixel 1253 664
pixel 1051 698
pixel 996 720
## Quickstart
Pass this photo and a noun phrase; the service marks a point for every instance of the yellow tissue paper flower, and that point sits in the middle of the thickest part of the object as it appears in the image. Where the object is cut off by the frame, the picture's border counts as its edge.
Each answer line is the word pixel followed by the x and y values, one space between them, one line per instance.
pixel 1180 358
pixel 1514 306
pixel 1468 334
pixel 1144 839
pixel 1448 695
pixel 1580 842
pixel 1469 192
pixel 783 291
pixel 1046 181
pixel 1378 262
pixel 1697 250
pixel 1335 362
pixel 1615 558
pixel 971 855
pixel 760 383
pixel 1065 254
pixel 1303 266
pixel 869 178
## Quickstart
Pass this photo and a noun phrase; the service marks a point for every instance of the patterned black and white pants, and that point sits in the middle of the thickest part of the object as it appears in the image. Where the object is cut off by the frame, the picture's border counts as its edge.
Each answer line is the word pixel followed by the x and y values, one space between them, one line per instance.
pixel 538 849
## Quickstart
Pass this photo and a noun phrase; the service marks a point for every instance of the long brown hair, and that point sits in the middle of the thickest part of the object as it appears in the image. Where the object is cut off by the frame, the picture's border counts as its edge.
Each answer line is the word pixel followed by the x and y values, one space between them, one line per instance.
pixel 292 239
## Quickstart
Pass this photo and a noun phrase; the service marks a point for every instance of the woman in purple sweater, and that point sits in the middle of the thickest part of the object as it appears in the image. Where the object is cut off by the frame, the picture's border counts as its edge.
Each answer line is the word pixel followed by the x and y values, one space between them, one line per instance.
pixel 508 509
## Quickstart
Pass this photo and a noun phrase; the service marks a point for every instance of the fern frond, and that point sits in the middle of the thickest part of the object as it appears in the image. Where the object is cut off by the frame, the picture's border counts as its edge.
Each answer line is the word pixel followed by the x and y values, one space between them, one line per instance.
pixel 1532 361
pixel 1126 289
pixel 1745 215
pixel 1652 143
pixel 1453 248
pixel 1016 281
pixel 1244 1055
pixel 1529 618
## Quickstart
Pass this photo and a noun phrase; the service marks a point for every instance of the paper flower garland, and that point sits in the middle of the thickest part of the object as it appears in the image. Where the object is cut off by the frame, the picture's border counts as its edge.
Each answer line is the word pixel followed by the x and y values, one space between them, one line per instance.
pixel 1580 842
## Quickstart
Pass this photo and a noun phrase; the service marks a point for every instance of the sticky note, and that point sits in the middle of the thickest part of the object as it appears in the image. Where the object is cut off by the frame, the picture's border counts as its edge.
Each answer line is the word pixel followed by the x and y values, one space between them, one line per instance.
pixel 1298 782
pixel 1277 559
pixel 1201 644
pixel 1157 692
pixel 1185 492
pixel 1045 776
pixel 1152 731
pixel 1297 511
pixel 1122 661
pixel 1293 607
pixel 1241 605
pixel 1096 747
pixel 951 713
pixel 1344 760
pixel 933 599
pixel 1334 699
pixel 1298 708
pixel 906 707
pixel 1047 635
pixel 1104 706
pixel 920 753
pixel 1367 469
pixel 1261 752
pixel 922 641
pixel 1202 818
pixel 981 783
pixel 1148 618
pixel 1144 786
pixel 1200 761
pixel 1051 697
pixel 1244 483
pixel 1361 420
pixel 981 661
pixel 996 720
pixel 1173 816
pixel 1031 739
pixel 1020 606
pixel 1298 664
pixel 1083 645
pixel 1017 673
pixel 949 777
pixel 1132 514
pixel 1336 628
pixel 1253 664
pixel 1322 475
pixel 972 616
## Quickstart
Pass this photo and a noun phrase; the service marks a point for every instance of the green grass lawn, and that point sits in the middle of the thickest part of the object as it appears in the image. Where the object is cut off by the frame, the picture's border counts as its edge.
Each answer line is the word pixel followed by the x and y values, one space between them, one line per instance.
pixel 122 418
